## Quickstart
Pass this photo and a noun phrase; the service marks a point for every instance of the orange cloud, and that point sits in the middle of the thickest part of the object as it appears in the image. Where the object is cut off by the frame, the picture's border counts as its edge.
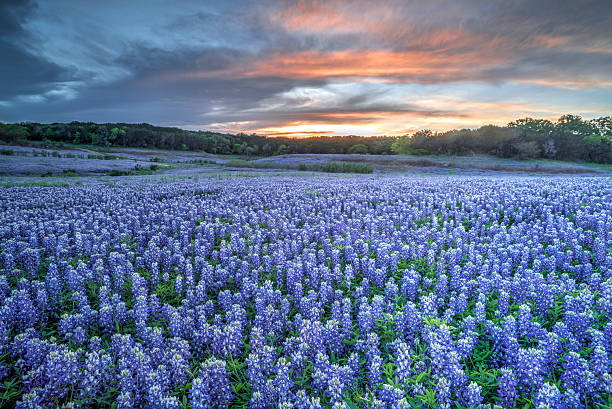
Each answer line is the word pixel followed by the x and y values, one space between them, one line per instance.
pixel 392 44
pixel 333 17
pixel 378 63
pixel 459 114
pixel 384 65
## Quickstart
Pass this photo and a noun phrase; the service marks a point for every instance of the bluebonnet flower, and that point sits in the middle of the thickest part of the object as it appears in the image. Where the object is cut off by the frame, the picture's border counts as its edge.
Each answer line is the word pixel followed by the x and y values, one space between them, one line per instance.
pixel 215 382
pixel 308 278
pixel 283 382
pixel 30 400
pixel 443 392
pixel 472 395
pixel 375 371
pixel 199 396
pixel 508 384
pixel 393 397
pixel 480 312
pixel 403 363
pixel 260 366
pixel 548 396
pixel 530 367
pixel 577 375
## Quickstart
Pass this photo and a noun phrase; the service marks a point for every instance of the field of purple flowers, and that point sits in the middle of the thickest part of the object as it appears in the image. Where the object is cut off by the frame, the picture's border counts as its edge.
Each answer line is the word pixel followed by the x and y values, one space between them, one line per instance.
pixel 320 292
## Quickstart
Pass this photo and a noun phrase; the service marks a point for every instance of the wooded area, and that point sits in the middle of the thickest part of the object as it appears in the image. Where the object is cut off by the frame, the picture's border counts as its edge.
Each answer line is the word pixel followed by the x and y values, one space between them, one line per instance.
pixel 568 138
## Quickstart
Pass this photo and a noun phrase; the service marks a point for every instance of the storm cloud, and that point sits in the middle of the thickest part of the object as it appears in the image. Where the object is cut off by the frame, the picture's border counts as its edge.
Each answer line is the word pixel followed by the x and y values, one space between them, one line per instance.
pixel 304 67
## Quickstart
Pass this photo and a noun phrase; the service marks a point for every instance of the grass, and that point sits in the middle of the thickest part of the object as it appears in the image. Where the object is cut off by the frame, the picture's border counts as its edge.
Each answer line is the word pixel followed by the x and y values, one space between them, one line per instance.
pixel 347 167
pixel 342 164
pixel 479 162
pixel 137 171
pixel 35 184
pixel 332 167
pixel 69 172
pixel 601 166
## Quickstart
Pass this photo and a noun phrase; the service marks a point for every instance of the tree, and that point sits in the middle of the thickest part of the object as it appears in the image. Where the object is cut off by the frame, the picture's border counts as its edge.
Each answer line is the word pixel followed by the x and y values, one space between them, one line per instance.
pixel 549 149
pixel 527 149
pixel 569 134
pixel 116 132
pixel 603 125
pixel 359 148
pixel 281 149
pixel 13 132
pixel 252 150
pixel 401 145
pixel 538 129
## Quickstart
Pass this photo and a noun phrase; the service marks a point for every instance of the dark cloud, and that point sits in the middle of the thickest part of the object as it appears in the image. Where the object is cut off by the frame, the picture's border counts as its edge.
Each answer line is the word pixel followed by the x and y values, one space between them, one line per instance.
pixel 12 15
pixel 158 90
pixel 22 72
pixel 235 62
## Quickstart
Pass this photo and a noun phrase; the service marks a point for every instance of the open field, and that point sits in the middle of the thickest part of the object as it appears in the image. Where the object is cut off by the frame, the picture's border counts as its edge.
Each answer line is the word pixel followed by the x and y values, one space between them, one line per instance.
pixel 80 160
pixel 297 289
pixel 470 164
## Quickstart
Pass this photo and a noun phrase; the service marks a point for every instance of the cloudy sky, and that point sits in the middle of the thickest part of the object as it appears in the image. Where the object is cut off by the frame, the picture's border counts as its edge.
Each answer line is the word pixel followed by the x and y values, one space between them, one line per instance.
pixel 304 67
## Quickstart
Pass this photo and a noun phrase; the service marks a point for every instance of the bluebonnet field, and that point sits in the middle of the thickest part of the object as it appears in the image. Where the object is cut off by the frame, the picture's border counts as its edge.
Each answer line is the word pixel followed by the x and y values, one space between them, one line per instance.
pixel 294 292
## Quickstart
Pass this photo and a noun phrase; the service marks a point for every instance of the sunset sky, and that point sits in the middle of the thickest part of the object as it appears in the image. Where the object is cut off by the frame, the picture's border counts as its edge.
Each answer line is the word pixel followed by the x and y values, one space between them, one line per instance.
pixel 305 67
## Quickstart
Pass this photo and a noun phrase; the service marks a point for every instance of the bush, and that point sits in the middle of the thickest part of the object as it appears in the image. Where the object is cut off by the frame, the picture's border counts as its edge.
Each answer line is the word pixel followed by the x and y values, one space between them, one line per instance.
pixel 7 152
pixel 347 167
pixel 13 132
pixel 358 149
pixel 527 150
pixel 237 163
pixel 419 152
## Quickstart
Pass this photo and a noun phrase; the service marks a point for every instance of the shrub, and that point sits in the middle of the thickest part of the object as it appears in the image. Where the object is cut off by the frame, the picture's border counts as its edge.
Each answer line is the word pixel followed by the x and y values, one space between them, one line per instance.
pixel 526 150
pixel 347 167
pixel 69 172
pixel 358 149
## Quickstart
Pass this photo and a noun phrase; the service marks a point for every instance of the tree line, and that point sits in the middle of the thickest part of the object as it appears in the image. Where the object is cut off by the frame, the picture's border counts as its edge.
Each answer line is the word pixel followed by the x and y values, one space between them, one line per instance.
pixel 569 138
pixel 150 136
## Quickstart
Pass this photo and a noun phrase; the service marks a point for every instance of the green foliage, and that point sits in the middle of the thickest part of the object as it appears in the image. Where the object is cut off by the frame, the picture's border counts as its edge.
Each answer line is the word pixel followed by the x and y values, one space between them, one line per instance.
pixel 149 136
pixel 332 167
pixel 359 148
pixel 13 132
pixel 35 184
pixel 527 149
pixel 138 170
pixel 346 167
pixel 568 138
pixel 69 172
pixel 116 132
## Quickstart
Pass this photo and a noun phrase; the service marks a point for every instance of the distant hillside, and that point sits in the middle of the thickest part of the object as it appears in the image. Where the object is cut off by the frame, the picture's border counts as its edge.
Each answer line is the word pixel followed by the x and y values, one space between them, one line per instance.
pixel 150 136
pixel 569 138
